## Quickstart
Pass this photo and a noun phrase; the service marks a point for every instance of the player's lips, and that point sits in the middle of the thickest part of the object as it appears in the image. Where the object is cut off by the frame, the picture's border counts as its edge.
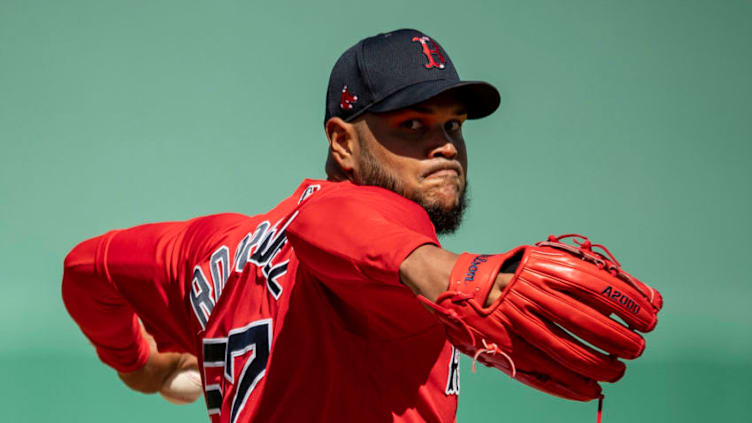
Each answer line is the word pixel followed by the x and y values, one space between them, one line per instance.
pixel 443 173
pixel 443 170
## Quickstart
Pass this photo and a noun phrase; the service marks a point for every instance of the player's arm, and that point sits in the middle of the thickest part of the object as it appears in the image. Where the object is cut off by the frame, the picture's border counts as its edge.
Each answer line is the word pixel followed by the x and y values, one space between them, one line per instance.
pixel 107 317
pixel 427 269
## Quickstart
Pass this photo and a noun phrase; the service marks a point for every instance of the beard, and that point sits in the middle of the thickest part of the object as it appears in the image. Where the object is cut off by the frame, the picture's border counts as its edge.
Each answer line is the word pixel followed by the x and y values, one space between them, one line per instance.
pixel 445 221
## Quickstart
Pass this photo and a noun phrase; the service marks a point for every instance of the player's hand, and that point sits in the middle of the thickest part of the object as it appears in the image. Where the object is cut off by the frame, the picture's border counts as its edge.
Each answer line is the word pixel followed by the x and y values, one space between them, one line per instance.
pixel 159 368
pixel 502 280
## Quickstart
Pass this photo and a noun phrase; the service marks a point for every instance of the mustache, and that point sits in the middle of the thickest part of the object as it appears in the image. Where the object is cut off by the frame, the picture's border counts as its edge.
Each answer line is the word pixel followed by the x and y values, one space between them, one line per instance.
pixel 445 165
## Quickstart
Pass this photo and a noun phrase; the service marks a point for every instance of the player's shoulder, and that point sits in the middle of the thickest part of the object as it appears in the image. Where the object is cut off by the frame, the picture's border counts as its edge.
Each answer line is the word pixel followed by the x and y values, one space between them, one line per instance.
pixel 220 220
pixel 346 192
pixel 334 201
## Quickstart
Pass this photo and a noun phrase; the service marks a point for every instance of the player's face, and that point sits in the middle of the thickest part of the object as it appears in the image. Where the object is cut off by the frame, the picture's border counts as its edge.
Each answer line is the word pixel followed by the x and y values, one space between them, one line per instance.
pixel 419 153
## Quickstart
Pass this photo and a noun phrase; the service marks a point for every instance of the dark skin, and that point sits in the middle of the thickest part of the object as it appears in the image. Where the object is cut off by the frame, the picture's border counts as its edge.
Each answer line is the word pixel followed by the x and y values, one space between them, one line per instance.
pixel 421 148
pixel 158 368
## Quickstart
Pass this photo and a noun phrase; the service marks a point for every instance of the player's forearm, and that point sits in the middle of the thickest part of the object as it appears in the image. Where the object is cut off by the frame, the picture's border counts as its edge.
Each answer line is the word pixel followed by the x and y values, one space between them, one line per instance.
pixel 110 324
pixel 426 272
pixel 99 310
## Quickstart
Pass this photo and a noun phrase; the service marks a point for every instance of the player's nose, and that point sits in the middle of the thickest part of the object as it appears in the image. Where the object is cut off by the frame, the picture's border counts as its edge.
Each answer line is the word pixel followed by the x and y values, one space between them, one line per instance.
pixel 445 148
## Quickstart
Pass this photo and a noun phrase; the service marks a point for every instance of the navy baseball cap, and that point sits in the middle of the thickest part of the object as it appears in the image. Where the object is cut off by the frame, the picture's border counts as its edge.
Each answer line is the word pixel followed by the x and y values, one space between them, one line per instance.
pixel 399 69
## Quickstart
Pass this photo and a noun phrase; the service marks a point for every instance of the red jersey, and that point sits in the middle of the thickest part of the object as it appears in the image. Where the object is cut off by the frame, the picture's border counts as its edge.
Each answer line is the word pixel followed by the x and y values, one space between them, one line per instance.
pixel 296 315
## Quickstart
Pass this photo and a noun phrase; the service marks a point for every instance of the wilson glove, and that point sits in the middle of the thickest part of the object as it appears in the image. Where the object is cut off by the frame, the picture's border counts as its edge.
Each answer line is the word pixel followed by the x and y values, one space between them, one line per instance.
pixel 560 296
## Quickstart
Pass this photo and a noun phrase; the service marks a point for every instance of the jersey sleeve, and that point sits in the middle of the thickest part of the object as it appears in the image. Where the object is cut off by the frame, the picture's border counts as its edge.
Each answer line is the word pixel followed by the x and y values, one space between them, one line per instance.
pixel 358 233
pixel 112 281
pixel 97 306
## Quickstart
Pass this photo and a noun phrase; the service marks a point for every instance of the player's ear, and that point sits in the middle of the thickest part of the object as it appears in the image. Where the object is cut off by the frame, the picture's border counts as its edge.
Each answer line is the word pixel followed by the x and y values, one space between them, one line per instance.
pixel 343 144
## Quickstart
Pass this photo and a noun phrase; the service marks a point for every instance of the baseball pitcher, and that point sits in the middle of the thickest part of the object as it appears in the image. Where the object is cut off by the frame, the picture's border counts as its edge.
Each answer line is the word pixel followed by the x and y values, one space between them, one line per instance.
pixel 339 304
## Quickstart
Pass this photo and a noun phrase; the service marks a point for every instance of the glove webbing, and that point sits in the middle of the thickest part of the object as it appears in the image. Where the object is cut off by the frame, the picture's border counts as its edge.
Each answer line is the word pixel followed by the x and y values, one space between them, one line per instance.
pixel 584 250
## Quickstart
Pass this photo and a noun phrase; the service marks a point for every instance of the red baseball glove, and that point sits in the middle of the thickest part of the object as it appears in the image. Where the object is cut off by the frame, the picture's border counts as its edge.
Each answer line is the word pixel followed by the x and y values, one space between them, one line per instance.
pixel 558 290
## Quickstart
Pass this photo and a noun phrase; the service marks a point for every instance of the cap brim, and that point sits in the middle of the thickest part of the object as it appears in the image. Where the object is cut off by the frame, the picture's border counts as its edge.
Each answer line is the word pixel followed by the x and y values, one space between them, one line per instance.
pixel 480 98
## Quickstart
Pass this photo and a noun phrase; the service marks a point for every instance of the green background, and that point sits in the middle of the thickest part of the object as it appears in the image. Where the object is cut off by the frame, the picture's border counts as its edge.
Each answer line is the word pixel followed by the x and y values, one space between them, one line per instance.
pixel 626 121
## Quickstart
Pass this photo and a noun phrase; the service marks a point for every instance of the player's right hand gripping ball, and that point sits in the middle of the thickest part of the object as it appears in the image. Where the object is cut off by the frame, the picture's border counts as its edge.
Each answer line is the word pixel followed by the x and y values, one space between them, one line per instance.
pixel 557 289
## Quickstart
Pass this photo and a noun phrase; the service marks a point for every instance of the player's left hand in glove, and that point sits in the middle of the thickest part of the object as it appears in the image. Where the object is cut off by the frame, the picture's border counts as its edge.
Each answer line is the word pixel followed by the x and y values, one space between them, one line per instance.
pixel 557 290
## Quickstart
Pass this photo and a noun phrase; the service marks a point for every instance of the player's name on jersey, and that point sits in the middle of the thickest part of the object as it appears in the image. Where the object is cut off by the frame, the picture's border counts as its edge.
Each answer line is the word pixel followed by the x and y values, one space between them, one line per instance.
pixel 259 247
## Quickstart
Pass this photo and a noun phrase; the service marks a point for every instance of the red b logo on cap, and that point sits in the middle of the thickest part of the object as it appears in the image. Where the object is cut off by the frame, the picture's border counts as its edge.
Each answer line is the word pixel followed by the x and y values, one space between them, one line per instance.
pixel 346 100
pixel 430 51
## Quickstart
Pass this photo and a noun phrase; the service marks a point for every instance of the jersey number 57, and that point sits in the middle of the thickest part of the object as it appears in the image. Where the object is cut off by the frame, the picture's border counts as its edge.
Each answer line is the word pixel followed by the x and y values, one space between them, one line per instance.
pixel 248 346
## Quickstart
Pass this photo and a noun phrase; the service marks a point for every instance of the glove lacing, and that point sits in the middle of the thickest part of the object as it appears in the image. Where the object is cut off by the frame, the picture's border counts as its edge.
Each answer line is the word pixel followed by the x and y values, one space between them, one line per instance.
pixel 584 250
pixel 452 315
pixel 493 349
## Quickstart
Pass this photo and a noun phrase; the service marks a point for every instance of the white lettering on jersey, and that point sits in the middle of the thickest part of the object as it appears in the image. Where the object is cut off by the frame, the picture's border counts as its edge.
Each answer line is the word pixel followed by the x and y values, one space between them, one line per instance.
pixel 453 381
pixel 260 248
pixel 310 189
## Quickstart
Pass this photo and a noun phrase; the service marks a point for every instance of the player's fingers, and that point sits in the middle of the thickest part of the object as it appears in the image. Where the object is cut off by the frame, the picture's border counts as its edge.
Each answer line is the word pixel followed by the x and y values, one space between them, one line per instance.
pixel 587 323
pixel 558 344
pixel 187 362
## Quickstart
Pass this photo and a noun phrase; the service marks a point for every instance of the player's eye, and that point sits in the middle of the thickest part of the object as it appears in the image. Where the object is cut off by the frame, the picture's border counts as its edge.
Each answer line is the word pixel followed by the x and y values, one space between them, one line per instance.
pixel 453 126
pixel 412 124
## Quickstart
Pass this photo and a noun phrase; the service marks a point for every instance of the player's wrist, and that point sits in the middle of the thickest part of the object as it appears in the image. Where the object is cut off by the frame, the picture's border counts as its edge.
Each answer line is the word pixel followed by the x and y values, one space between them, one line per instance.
pixel 479 276
pixel 426 270
pixel 150 378
pixel 483 277
pixel 158 367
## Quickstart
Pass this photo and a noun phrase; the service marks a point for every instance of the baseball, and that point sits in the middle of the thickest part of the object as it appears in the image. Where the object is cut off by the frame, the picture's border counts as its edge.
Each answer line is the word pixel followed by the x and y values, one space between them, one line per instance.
pixel 183 387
